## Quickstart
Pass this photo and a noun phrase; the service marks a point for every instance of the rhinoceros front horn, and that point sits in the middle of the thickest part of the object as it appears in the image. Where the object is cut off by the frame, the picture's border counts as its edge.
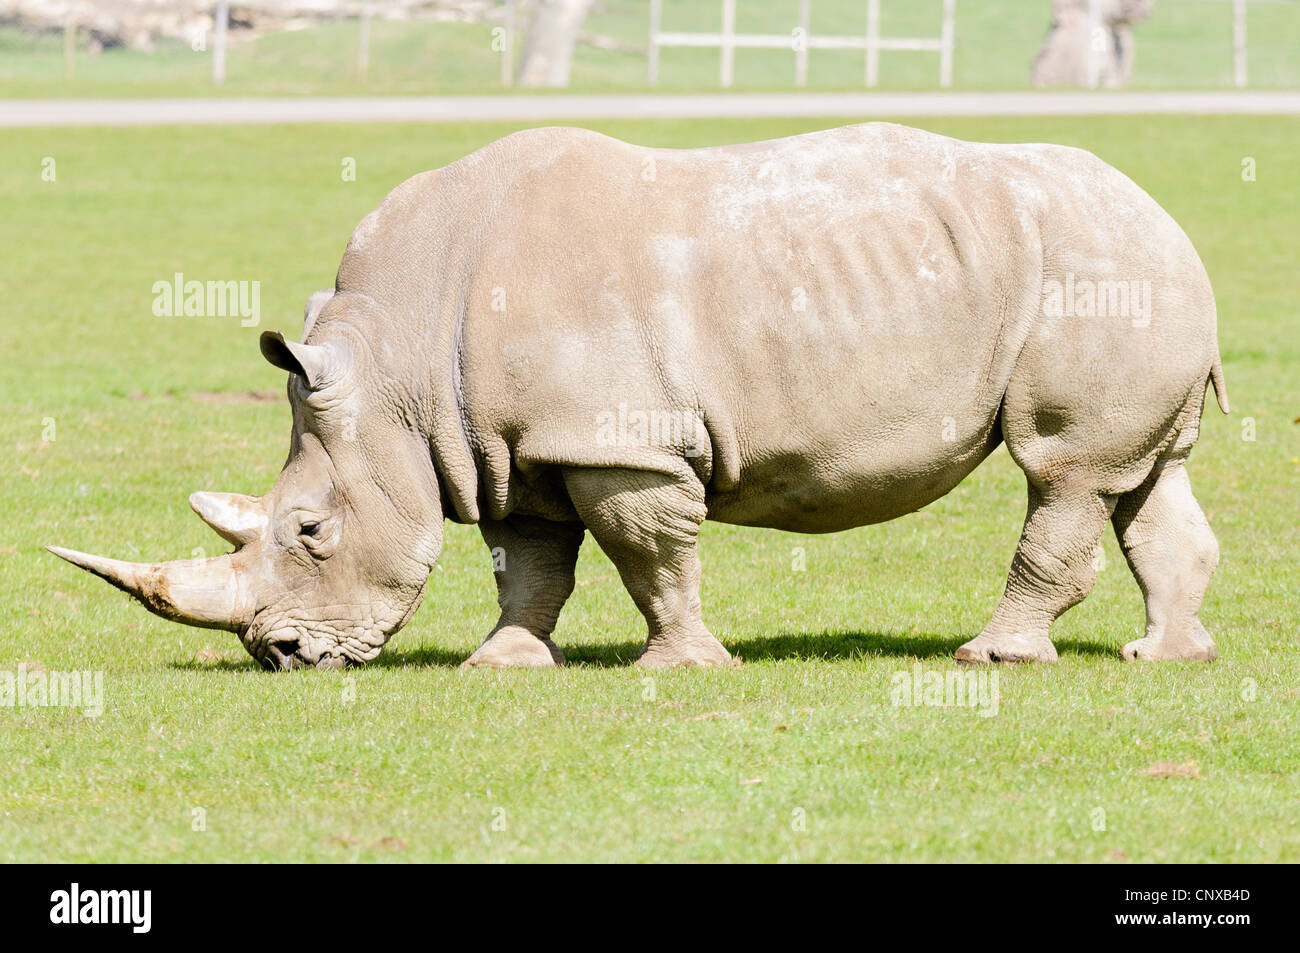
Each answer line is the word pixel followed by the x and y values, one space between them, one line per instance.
pixel 202 592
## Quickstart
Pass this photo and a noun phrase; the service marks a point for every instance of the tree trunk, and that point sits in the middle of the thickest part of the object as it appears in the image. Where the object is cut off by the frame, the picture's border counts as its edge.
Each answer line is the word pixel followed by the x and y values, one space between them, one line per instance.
pixel 548 49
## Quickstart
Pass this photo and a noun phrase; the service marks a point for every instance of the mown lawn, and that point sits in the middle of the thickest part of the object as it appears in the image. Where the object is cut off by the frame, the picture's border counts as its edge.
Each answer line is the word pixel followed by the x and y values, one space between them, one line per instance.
pixel 110 416
pixel 1186 44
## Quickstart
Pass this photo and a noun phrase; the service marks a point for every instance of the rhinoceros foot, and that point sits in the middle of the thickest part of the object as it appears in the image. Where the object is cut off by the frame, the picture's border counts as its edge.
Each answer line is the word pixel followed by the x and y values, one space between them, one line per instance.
pixel 1193 645
pixel 515 647
pixel 701 651
pixel 1007 648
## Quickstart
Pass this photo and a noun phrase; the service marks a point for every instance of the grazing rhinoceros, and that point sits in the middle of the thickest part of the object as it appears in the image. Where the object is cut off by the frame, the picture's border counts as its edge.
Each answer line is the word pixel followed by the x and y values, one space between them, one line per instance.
pixel 563 332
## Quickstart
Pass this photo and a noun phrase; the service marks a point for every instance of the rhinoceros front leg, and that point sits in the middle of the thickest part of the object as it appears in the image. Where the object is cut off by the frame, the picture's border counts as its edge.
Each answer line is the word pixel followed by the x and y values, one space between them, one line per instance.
pixel 533 562
pixel 647 523
pixel 1054 568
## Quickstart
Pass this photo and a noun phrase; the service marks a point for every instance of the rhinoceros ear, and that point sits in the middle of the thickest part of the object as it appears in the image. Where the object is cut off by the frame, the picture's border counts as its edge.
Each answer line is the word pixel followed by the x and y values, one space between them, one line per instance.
pixel 314 304
pixel 315 363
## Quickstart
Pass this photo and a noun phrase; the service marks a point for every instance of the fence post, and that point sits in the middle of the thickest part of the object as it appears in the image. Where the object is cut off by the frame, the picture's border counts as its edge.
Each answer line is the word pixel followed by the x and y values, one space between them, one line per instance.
pixel 946 38
pixel 220 17
pixel 656 11
pixel 873 42
pixel 363 44
pixel 801 50
pixel 1239 43
pixel 728 44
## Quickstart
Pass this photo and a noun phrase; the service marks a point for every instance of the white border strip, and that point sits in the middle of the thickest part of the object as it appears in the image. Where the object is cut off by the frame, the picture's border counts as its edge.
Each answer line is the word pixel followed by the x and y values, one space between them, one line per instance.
pixel 541 108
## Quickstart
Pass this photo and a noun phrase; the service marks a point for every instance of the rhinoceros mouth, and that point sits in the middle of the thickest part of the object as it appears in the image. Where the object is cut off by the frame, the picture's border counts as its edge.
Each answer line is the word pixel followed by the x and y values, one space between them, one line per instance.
pixel 281 643
pixel 286 656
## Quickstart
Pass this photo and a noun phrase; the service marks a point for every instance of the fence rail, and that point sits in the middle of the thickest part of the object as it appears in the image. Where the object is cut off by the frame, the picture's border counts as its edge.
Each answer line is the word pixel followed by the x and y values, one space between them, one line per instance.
pixel 800 40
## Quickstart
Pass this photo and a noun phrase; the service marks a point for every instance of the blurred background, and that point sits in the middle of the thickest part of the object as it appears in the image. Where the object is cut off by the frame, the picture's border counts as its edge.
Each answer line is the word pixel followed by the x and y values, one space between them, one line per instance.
pixel 343 47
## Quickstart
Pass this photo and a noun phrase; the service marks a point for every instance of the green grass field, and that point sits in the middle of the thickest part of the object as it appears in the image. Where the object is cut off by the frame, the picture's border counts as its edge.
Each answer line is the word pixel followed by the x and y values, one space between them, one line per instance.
pixel 110 417
pixel 1187 44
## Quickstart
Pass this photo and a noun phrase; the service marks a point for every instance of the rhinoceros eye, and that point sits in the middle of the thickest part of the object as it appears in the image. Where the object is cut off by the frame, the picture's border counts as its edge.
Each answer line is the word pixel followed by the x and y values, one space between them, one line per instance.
pixel 317 534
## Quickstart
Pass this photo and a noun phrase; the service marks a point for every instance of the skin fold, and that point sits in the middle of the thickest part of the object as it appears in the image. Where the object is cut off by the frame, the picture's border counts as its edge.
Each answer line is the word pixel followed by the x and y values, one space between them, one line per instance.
pixel 563 333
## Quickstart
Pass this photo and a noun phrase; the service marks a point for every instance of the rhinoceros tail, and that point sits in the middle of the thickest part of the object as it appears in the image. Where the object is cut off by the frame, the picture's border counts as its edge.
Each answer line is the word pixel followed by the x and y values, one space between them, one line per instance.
pixel 1220 387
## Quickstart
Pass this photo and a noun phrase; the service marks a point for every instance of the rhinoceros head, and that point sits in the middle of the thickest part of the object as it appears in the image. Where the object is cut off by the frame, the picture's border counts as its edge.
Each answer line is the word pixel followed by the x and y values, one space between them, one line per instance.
pixel 332 560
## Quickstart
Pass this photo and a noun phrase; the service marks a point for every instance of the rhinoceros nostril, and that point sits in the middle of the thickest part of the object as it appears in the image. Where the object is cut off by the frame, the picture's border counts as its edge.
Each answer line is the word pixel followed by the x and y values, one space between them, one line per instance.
pixel 283 653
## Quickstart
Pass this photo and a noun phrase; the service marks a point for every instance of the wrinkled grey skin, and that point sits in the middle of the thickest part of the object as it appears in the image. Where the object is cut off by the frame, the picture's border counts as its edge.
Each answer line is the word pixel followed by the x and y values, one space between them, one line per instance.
pixel 856 318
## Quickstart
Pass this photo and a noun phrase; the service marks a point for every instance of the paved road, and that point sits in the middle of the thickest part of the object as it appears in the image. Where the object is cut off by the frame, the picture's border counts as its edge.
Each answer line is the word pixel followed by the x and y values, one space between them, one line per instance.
pixel 542 108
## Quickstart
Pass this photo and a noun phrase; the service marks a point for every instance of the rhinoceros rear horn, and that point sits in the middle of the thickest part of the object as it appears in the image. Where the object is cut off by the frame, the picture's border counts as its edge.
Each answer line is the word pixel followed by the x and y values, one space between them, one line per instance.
pixel 236 518
pixel 202 592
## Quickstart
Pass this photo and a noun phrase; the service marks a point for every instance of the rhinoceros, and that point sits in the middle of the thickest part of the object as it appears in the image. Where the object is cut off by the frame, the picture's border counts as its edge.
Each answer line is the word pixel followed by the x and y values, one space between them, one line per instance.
pixel 563 332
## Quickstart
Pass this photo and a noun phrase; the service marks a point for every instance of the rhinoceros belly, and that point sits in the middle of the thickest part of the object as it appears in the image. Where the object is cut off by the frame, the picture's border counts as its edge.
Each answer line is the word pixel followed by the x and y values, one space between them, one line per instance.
pixel 857 438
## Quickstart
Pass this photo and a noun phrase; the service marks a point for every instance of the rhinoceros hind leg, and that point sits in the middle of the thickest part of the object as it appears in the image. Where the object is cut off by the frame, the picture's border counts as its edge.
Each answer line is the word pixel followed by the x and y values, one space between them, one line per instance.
pixel 647 523
pixel 1053 569
pixel 1172 552
pixel 533 562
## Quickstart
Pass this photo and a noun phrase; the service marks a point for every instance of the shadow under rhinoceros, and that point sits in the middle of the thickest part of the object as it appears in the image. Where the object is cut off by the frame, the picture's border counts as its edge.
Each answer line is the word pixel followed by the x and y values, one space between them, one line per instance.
pixel 218 665
pixel 849 645
pixel 787 645
pixel 603 655
pixel 827 646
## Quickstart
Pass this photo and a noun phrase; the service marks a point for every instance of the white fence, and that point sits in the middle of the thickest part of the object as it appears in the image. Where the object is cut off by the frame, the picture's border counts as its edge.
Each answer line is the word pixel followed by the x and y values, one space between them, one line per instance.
pixel 800 41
